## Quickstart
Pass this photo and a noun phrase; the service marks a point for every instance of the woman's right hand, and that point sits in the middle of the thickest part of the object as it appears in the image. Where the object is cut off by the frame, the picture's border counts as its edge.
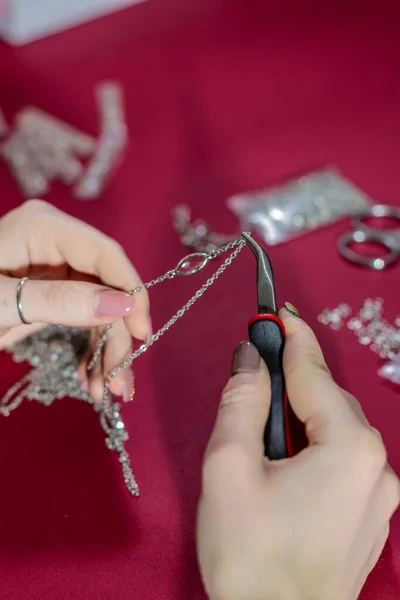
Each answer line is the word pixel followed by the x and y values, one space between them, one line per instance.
pixel 306 528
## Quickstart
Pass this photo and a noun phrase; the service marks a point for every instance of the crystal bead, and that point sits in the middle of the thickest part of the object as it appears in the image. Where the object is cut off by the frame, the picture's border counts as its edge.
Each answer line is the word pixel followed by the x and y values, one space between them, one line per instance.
pixel 323 318
pixel 354 324
pixel 366 314
pixel 380 339
pixel 391 371
pixel 200 228
pixel 192 263
pixel 365 340
pixel 344 309
pixel 335 317
pixel 188 239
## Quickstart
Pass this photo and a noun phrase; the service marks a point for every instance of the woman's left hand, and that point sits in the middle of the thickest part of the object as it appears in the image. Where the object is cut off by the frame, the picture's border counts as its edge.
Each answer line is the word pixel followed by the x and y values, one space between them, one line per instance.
pixel 77 277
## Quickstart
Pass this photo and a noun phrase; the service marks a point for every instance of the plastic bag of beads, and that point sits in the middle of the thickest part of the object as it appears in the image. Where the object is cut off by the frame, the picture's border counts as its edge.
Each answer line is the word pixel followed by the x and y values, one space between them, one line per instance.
pixel 298 206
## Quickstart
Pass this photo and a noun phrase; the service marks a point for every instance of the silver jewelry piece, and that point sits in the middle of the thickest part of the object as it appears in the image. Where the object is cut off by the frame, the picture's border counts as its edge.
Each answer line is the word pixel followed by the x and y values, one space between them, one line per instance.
pixel 370 327
pixel 334 317
pixel 362 232
pixel 20 285
pixel 197 235
pixel 55 352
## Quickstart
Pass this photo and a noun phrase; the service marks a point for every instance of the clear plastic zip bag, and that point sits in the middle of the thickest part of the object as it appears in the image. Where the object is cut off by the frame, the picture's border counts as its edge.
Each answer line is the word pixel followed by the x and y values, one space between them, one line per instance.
pixel 298 206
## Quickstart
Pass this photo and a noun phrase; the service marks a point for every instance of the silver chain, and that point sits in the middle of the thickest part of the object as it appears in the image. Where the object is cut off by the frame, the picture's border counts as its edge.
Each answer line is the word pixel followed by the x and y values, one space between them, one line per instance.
pixel 54 354
pixel 235 245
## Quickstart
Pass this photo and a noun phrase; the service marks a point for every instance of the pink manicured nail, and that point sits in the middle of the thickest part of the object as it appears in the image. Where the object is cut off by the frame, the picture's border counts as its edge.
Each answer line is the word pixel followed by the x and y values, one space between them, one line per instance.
pixel 128 385
pixel 110 303
pixel 85 384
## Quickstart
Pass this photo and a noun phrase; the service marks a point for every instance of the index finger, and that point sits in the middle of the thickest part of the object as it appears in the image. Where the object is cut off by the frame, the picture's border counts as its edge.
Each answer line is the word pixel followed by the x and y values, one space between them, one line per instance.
pixel 88 250
pixel 314 396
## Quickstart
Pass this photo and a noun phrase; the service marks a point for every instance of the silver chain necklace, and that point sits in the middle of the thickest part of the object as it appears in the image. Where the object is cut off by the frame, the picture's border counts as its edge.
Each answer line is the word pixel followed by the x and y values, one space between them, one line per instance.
pixel 54 354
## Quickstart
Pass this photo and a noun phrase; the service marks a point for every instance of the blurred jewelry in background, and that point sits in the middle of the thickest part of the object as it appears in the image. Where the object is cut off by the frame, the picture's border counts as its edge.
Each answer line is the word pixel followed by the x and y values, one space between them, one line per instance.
pixel 371 329
pixel 111 143
pixel 280 213
pixel 197 235
pixel 41 148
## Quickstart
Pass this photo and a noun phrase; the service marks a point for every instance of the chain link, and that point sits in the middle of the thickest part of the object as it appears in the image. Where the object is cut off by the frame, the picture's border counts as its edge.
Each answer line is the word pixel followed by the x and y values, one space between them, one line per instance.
pixel 168 275
pixel 235 245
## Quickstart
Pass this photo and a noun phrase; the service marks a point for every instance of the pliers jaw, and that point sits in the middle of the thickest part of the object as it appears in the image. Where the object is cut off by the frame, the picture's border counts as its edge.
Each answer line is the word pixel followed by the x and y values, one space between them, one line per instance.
pixel 265 278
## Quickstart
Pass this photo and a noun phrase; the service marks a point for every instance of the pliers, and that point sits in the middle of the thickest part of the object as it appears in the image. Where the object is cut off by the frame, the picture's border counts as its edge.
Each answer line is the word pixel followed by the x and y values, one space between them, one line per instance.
pixel 267 333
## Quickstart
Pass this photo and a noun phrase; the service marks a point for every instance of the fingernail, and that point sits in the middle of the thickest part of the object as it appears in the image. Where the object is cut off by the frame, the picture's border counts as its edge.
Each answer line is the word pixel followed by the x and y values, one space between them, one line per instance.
pixel 85 385
pixel 111 303
pixel 246 359
pixel 292 309
pixel 128 385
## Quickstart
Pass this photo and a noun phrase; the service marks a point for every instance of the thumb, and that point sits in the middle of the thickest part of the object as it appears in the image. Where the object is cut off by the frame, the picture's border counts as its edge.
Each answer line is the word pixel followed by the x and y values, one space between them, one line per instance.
pixel 244 406
pixel 314 396
pixel 71 303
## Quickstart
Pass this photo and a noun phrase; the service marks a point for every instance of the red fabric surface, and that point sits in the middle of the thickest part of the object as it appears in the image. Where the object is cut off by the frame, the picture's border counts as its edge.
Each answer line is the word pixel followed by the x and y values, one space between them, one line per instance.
pixel 221 97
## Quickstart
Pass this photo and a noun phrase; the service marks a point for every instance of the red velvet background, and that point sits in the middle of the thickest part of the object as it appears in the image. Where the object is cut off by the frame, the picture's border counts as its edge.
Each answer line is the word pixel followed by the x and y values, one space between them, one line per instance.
pixel 221 97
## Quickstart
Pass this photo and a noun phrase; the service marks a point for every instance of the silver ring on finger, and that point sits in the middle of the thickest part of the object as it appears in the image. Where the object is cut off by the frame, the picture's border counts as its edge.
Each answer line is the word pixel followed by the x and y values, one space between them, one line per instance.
pixel 20 286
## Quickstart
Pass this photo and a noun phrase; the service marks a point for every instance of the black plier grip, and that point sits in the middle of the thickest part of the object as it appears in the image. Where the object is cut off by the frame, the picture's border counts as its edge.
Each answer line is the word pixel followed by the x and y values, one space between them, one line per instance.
pixel 267 333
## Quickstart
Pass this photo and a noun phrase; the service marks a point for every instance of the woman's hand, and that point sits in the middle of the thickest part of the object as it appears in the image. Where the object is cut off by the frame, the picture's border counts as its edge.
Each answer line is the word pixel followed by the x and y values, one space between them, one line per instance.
pixel 77 277
pixel 307 528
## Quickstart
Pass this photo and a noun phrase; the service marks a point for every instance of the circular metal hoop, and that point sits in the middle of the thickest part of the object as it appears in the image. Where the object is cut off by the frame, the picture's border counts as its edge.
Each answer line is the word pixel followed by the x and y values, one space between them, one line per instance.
pixel 359 236
pixel 20 285
pixel 378 211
